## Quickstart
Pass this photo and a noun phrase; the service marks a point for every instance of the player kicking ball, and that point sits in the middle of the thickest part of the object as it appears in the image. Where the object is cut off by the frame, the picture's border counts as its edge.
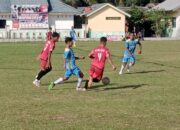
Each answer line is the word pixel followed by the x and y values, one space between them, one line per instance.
pixel 99 56
pixel 70 66
pixel 45 58
pixel 129 56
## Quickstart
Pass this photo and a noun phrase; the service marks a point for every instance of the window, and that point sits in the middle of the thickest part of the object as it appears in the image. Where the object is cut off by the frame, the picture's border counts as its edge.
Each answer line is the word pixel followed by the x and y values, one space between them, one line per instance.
pixel 113 18
pixel 174 22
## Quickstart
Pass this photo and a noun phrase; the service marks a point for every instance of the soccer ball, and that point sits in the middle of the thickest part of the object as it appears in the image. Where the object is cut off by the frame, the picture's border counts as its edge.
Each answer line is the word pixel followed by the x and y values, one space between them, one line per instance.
pixel 106 81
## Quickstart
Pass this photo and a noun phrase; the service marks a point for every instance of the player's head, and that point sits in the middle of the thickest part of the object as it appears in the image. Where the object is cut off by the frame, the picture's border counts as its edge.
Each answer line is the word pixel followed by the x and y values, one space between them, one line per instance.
pixel 69 41
pixel 55 36
pixel 103 41
pixel 50 28
pixel 131 36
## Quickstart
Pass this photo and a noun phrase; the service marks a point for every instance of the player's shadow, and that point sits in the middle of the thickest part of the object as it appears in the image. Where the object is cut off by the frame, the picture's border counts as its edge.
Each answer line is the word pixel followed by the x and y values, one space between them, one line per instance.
pixel 126 87
pixel 101 85
pixel 66 82
pixel 145 72
pixel 160 64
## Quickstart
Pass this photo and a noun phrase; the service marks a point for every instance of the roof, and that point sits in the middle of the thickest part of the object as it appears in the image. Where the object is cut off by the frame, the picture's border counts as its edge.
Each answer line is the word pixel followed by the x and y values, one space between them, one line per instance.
pixel 55 6
pixel 97 7
pixel 5 6
pixel 169 5
pixel 27 2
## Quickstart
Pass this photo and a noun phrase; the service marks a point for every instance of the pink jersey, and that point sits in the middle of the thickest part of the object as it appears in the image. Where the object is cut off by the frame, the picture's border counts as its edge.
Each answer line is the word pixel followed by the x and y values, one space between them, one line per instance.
pixel 99 54
pixel 49 47
pixel 49 35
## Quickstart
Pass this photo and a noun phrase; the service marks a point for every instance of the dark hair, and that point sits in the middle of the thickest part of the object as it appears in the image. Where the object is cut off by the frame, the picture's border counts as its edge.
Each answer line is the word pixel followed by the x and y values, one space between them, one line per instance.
pixel 103 39
pixel 68 39
pixel 50 28
pixel 55 34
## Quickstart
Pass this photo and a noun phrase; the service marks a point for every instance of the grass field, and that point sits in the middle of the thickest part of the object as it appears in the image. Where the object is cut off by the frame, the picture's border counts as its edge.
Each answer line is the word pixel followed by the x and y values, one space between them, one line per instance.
pixel 146 99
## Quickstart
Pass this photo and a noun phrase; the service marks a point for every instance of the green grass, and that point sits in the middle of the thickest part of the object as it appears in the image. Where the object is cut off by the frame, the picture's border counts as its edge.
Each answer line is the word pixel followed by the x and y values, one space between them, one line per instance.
pixel 146 99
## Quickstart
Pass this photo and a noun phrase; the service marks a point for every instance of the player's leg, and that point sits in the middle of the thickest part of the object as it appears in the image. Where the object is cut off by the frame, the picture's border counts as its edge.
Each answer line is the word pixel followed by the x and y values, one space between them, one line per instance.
pixel 95 76
pixel 42 73
pixel 124 63
pixel 80 76
pixel 131 63
pixel 60 80
pixel 74 43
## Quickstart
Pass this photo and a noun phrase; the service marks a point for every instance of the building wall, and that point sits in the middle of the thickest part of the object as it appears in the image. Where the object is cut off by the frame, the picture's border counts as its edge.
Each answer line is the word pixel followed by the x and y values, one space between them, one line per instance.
pixel 176 31
pixel 98 25
pixel 61 21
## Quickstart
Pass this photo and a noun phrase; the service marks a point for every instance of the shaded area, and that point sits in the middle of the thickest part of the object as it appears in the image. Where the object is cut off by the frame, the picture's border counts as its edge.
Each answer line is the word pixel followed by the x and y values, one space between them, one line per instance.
pixel 145 72
pixel 126 87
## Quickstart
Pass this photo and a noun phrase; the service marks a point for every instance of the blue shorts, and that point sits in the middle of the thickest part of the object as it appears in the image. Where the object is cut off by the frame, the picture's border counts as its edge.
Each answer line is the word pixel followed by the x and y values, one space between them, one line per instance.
pixel 126 59
pixel 76 71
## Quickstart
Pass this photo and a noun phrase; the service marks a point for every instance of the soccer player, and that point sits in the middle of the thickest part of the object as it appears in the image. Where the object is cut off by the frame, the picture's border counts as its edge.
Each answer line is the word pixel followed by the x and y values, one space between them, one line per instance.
pixel 49 34
pixel 73 36
pixel 70 66
pixel 45 58
pixel 99 56
pixel 129 56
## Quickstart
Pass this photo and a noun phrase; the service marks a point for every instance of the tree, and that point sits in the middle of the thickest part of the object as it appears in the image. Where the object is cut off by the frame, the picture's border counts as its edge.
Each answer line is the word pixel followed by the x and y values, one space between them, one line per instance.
pixel 158 19
pixel 137 18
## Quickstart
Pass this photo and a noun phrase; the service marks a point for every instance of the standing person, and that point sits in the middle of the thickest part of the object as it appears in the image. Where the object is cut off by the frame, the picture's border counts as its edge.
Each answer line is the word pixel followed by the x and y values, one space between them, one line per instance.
pixel 70 66
pixel 129 56
pixel 73 36
pixel 45 58
pixel 99 56
pixel 49 34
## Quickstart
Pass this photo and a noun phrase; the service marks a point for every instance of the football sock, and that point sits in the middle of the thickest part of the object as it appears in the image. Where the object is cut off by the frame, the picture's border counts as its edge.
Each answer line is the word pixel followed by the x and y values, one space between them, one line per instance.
pixel 129 65
pixel 42 73
pixel 79 82
pixel 58 81
pixel 122 68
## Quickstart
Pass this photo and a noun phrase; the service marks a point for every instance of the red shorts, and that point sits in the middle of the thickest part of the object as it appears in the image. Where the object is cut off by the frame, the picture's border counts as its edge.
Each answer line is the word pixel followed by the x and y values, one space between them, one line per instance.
pixel 43 64
pixel 96 73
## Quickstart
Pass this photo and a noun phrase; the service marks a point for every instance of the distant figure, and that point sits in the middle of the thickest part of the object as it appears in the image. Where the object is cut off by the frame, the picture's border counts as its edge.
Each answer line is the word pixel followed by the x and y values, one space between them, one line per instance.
pixel 49 34
pixel 142 34
pixel 73 36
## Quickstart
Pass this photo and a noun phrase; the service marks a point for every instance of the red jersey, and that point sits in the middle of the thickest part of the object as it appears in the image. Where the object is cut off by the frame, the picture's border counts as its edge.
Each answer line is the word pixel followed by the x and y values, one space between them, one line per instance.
pixel 49 47
pixel 99 54
pixel 49 35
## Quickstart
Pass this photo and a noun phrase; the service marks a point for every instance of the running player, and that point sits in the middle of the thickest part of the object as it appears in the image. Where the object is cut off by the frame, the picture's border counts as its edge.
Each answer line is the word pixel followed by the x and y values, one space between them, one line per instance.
pixel 70 66
pixel 129 56
pixel 45 58
pixel 98 56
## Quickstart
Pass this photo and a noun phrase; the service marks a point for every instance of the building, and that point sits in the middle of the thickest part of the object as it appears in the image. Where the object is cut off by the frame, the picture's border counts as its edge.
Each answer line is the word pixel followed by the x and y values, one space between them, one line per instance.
pixel 30 19
pixel 104 20
pixel 172 7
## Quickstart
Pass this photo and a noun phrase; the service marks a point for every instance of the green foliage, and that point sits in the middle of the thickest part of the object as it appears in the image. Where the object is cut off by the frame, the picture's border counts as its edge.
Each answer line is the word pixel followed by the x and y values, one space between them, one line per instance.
pixel 137 17
pixel 114 2
pixel 158 19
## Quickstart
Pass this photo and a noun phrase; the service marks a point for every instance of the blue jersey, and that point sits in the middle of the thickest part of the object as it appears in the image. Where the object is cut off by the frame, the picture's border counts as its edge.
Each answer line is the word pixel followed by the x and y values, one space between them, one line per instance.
pixel 131 45
pixel 73 34
pixel 70 59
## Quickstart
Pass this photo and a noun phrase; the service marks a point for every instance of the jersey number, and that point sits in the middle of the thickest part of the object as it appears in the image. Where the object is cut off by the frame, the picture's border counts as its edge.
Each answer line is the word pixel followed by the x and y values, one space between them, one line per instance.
pixel 99 56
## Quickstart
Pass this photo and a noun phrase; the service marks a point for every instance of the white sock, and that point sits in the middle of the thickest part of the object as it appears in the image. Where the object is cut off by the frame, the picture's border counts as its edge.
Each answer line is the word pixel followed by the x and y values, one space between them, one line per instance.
pixel 122 68
pixel 79 82
pixel 58 81
pixel 129 66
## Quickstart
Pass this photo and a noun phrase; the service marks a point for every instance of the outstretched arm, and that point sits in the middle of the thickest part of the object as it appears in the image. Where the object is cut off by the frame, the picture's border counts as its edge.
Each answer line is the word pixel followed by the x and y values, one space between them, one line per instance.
pixel 80 58
pixel 111 63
